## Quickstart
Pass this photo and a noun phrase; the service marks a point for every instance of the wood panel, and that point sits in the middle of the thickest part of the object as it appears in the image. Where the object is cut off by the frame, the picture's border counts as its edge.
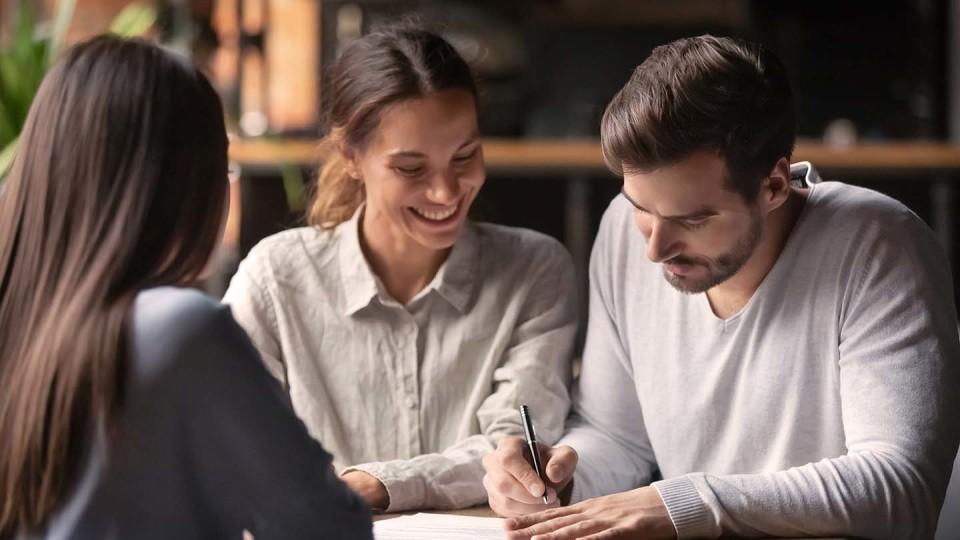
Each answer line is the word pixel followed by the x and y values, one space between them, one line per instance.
pixel 543 156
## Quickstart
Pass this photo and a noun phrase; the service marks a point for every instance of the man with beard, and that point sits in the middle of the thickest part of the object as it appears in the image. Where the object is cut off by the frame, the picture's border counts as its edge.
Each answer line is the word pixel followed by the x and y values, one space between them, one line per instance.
pixel 794 374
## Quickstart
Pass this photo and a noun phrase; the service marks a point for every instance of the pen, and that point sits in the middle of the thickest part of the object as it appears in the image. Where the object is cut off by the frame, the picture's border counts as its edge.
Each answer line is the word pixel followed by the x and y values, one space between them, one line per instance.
pixel 531 437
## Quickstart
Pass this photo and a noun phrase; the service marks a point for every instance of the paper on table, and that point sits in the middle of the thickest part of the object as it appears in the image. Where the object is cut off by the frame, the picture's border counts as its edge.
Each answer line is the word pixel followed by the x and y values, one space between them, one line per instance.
pixel 439 527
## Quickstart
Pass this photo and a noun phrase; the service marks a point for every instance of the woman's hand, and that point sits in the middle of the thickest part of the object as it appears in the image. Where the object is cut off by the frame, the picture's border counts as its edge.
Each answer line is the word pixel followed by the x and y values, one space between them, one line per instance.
pixel 369 488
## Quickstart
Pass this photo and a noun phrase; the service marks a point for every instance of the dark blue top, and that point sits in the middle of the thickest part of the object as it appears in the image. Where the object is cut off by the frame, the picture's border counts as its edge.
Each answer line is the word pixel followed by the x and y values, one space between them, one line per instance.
pixel 205 444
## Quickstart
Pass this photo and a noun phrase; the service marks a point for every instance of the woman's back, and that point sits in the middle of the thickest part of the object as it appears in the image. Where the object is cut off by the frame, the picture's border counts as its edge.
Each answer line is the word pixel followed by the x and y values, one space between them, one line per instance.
pixel 204 444
pixel 129 407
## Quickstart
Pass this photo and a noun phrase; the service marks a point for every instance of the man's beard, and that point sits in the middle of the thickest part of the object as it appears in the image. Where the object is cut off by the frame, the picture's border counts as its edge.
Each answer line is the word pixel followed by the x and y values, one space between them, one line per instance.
pixel 721 268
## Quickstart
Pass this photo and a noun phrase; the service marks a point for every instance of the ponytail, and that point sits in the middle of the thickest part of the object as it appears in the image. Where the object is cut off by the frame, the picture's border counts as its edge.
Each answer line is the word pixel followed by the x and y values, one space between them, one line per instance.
pixel 337 195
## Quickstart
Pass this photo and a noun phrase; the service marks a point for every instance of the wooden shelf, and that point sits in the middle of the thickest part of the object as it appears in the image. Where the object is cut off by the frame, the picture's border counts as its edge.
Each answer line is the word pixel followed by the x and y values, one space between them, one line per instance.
pixel 570 156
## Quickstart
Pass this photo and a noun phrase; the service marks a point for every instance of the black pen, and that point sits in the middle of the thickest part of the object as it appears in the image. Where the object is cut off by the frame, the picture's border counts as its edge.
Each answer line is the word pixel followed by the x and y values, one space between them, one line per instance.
pixel 531 437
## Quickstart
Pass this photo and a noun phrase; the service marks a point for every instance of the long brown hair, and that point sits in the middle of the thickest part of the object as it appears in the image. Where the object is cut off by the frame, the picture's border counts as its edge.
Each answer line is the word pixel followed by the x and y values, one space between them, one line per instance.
pixel 373 72
pixel 119 185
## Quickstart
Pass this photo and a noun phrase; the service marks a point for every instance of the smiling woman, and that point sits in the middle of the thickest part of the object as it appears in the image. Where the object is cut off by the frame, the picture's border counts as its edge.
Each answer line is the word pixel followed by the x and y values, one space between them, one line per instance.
pixel 407 335
pixel 420 174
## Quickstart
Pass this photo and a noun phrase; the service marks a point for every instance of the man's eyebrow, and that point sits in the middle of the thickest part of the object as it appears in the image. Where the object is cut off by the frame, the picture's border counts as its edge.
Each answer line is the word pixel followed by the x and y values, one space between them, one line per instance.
pixel 700 213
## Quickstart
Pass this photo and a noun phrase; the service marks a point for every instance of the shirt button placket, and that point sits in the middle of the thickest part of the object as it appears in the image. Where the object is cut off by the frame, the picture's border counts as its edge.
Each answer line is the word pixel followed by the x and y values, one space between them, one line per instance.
pixel 411 400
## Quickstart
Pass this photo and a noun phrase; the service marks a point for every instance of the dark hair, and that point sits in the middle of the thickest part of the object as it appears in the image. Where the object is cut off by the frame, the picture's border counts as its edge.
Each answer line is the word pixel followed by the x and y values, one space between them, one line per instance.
pixel 703 93
pixel 371 73
pixel 119 184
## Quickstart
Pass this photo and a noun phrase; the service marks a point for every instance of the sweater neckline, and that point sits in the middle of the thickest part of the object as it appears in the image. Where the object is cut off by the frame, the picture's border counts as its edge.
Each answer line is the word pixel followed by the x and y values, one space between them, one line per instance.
pixel 788 252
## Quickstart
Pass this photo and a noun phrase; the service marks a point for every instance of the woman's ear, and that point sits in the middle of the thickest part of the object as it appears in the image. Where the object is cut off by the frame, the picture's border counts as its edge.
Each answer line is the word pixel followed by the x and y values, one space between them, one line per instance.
pixel 351 160
pixel 776 187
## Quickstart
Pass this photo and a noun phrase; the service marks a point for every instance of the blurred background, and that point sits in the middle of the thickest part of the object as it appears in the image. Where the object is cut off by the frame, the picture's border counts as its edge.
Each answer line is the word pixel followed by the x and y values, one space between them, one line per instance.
pixel 877 86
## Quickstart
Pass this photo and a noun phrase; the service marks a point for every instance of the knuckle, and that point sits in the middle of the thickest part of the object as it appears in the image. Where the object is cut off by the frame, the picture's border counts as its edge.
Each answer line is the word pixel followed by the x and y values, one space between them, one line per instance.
pixel 501 485
pixel 566 453
pixel 510 445
pixel 486 482
pixel 526 476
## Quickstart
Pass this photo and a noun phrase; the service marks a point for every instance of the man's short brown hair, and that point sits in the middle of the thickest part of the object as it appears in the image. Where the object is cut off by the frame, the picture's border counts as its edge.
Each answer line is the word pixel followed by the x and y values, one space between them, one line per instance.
pixel 703 93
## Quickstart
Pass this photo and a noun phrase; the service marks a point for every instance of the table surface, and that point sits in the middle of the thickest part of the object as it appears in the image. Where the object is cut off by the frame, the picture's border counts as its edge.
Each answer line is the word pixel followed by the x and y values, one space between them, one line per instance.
pixel 485 511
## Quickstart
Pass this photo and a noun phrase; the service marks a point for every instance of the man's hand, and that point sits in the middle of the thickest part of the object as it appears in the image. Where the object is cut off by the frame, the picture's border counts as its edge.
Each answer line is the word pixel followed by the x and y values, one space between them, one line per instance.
pixel 513 487
pixel 639 513
pixel 369 488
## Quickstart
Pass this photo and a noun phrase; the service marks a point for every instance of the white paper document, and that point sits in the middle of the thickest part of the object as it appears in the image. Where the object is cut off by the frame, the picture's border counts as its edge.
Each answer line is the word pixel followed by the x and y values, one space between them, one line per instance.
pixel 439 527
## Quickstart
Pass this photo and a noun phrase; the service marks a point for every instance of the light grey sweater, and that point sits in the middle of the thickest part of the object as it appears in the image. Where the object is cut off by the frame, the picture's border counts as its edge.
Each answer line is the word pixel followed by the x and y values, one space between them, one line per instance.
pixel 826 406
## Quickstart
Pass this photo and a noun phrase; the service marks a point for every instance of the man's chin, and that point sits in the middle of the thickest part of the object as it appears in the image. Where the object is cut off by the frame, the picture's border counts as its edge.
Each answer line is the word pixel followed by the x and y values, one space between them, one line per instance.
pixel 688 285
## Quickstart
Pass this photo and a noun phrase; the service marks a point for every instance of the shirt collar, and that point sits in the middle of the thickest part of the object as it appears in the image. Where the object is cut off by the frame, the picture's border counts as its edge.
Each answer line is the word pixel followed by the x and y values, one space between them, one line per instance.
pixel 454 282
pixel 457 277
pixel 359 282
pixel 804 174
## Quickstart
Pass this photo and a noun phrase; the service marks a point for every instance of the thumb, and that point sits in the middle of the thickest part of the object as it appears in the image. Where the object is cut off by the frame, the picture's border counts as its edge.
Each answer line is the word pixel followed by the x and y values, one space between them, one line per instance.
pixel 561 463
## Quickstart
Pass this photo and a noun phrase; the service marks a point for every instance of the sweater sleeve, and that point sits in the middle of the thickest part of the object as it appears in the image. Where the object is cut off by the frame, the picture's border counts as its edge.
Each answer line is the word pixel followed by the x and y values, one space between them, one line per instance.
pixel 898 385
pixel 606 425
pixel 251 457
pixel 204 444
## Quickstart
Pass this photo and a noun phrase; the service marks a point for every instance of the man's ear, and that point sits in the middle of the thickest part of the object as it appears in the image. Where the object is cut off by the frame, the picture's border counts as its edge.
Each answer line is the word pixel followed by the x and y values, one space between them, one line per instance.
pixel 776 186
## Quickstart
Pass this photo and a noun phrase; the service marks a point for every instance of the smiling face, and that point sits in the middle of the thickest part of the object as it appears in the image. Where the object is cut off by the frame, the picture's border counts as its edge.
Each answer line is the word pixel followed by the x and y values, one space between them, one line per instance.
pixel 421 170
pixel 700 231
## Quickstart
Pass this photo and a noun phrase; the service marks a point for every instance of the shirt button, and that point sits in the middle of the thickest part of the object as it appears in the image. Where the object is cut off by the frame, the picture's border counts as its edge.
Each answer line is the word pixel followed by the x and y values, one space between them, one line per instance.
pixel 411 402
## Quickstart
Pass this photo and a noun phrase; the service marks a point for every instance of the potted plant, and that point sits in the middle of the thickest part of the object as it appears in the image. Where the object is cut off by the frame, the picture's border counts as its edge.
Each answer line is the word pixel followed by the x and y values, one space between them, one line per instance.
pixel 29 53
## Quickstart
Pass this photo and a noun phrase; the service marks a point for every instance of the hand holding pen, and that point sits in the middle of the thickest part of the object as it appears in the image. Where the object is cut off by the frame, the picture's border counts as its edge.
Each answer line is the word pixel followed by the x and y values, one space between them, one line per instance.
pixel 514 487
pixel 531 438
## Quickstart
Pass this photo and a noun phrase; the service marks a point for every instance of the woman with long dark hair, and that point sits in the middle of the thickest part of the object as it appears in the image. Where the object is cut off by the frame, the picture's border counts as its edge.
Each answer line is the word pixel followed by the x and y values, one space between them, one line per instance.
pixel 406 334
pixel 129 406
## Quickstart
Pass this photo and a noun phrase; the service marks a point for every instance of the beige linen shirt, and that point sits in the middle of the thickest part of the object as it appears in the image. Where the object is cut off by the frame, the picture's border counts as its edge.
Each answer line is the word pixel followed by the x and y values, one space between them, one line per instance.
pixel 414 394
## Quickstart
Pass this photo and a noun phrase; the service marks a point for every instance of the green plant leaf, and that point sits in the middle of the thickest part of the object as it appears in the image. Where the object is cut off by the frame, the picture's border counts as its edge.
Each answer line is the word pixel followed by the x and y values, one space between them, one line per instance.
pixel 8 131
pixel 13 91
pixel 134 20
pixel 19 81
pixel 293 186
pixel 61 22
pixel 23 31
pixel 6 158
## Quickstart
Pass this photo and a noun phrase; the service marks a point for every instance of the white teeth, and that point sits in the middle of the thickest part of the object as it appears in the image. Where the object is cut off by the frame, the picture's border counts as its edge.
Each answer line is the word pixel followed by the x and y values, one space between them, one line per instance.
pixel 436 215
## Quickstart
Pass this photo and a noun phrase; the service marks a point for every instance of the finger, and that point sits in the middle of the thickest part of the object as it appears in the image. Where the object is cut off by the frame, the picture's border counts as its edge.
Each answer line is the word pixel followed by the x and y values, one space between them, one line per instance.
pixel 608 534
pixel 509 457
pixel 545 527
pixel 509 508
pixel 506 486
pixel 575 530
pixel 561 463
pixel 531 519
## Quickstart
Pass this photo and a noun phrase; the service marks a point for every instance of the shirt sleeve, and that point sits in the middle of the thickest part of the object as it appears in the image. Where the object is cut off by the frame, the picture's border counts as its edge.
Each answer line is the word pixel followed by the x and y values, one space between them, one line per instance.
pixel 606 425
pixel 253 309
pixel 251 456
pixel 898 385
pixel 534 370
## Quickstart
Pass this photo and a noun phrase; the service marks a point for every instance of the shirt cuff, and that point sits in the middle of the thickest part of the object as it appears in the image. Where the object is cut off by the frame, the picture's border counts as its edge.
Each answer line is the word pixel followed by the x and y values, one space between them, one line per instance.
pixel 689 513
pixel 405 490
